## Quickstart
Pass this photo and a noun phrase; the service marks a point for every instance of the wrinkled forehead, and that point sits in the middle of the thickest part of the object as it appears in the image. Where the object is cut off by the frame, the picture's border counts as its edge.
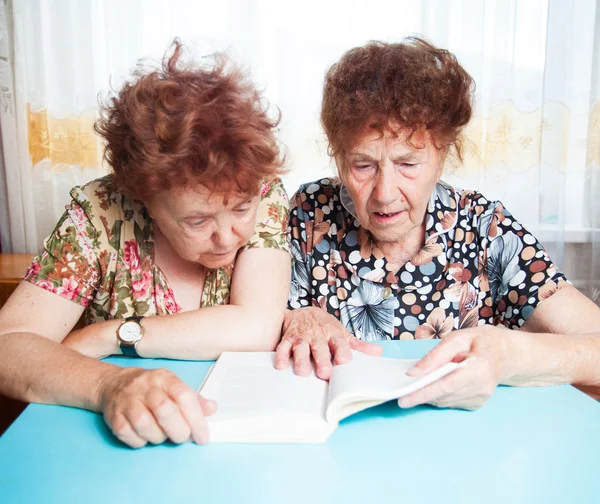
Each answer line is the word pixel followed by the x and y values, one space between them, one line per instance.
pixel 400 139
pixel 202 199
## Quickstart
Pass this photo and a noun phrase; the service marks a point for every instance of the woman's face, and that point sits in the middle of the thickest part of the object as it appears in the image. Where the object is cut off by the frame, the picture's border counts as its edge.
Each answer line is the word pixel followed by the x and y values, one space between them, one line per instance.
pixel 390 182
pixel 203 226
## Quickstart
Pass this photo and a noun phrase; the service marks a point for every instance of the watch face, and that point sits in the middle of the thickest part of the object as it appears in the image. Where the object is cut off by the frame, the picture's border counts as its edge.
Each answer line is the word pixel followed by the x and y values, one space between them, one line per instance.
pixel 130 332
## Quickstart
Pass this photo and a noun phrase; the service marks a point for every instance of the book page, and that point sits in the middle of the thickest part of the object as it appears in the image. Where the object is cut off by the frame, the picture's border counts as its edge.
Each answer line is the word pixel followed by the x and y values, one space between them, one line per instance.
pixel 367 381
pixel 258 403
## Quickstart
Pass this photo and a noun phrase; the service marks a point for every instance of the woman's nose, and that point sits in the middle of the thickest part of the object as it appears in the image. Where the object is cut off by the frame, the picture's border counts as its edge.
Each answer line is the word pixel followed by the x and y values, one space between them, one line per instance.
pixel 386 190
pixel 224 237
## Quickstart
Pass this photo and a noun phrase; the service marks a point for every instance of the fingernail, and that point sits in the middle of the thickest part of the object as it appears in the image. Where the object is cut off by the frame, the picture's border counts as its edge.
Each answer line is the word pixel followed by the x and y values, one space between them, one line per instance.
pixel 414 371
pixel 402 403
pixel 204 434
pixel 324 373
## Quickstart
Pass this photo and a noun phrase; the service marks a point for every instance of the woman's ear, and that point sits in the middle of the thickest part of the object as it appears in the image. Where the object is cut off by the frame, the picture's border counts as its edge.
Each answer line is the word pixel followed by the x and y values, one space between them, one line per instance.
pixel 443 152
pixel 148 205
pixel 339 164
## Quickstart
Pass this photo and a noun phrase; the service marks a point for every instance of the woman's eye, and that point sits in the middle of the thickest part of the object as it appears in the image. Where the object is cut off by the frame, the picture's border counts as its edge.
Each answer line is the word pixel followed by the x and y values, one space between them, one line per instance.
pixel 408 165
pixel 242 211
pixel 199 223
pixel 364 167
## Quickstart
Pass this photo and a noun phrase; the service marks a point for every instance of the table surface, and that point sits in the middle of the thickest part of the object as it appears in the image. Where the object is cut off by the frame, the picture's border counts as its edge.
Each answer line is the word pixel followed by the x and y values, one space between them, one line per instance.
pixel 525 445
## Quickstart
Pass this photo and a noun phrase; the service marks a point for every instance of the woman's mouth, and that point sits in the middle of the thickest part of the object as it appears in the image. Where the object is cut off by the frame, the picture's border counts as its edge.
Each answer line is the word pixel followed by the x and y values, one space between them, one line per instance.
pixel 386 217
pixel 223 254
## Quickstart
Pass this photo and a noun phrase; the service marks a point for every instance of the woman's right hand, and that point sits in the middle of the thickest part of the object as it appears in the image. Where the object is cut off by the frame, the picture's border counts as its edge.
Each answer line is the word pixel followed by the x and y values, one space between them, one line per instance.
pixel 312 331
pixel 150 406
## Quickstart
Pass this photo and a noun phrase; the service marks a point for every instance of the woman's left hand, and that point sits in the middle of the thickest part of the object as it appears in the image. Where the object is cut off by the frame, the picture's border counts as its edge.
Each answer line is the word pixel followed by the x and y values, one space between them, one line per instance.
pixel 312 332
pixel 471 386
pixel 97 340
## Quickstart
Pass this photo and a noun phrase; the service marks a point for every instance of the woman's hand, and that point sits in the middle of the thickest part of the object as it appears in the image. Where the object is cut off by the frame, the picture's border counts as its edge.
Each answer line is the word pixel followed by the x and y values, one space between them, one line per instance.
pixel 312 331
pixel 468 387
pixel 97 340
pixel 150 406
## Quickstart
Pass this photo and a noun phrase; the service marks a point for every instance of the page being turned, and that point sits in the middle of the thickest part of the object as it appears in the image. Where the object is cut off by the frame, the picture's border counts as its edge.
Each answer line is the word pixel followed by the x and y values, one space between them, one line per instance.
pixel 367 381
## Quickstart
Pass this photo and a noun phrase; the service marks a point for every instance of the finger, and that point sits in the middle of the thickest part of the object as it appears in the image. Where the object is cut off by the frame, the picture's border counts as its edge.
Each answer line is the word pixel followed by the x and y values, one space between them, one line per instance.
pixel 365 347
pixel 340 348
pixel 461 356
pixel 208 406
pixel 302 365
pixel 454 344
pixel 169 417
pixel 191 409
pixel 282 354
pixel 122 429
pixel 144 424
pixel 436 391
pixel 322 357
pixel 466 398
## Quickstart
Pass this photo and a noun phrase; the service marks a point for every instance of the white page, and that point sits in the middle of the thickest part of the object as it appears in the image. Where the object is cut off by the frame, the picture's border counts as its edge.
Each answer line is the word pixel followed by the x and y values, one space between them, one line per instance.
pixel 366 381
pixel 258 403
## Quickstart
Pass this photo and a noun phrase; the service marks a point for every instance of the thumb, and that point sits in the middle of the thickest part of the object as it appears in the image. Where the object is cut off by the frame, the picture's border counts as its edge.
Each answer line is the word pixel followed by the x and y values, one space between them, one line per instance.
pixel 365 347
pixel 451 348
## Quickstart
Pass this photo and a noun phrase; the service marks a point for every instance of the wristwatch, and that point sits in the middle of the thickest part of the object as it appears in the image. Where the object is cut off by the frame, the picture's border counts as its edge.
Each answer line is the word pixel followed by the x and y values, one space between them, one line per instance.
pixel 129 334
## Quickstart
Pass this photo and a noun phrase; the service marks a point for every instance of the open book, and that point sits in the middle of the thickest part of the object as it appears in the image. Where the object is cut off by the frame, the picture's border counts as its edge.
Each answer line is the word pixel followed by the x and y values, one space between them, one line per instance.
pixel 257 403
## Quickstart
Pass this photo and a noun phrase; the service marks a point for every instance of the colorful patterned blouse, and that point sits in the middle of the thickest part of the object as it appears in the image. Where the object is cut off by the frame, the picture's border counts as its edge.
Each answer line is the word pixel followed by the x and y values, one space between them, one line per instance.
pixel 478 266
pixel 100 255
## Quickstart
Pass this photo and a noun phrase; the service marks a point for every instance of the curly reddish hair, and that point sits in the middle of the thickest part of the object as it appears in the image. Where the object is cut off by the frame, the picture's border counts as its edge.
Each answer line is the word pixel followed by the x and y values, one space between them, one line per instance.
pixel 412 84
pixel 183 125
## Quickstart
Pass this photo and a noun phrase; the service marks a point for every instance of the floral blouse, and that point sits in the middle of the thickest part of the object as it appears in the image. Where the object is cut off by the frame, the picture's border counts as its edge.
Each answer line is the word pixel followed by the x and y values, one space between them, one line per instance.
pixel 100 255
pixel 478 266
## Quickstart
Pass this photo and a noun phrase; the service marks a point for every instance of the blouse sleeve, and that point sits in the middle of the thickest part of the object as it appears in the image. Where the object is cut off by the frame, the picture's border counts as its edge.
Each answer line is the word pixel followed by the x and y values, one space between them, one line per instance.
pixel 68 264
pixel 272 218
pixel 300 291
pixel 520 273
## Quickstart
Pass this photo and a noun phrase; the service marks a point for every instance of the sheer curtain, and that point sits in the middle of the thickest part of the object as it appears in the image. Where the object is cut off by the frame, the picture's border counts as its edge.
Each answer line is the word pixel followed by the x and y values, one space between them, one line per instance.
pixel 534 142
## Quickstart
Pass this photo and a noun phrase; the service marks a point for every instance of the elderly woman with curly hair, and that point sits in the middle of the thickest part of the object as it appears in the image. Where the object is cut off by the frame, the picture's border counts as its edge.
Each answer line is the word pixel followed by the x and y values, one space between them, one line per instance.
pixel 388 251
pixel 181 252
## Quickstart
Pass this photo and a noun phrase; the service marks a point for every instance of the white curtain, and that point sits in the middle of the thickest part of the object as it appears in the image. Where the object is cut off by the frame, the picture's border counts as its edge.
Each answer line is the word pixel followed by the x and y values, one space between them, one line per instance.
pixel 534 142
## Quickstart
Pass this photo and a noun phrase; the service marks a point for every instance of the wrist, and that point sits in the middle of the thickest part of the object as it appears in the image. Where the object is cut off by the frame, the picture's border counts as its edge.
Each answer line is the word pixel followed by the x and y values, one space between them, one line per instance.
pixel 509 355
pixel 103 385
pixel 583 363
pixel 109 335
pixel 539 359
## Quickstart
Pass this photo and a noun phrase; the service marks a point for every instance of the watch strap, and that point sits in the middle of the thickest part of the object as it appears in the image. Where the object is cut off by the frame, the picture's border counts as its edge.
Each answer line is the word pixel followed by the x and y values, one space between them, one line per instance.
pixel 129 350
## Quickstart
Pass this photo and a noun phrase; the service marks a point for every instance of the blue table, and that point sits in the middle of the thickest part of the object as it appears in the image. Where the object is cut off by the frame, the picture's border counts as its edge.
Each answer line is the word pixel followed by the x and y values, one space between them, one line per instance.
pixel 538 445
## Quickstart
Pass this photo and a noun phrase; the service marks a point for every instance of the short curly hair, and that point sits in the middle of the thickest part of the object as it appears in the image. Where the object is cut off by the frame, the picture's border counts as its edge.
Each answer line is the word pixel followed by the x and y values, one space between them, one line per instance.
pixel 183 125
pixel 412 84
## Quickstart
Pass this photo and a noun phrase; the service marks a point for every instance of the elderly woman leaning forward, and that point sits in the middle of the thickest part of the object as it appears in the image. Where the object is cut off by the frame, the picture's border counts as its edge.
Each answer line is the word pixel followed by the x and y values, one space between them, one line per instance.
pixel 181 252
pixel 389 251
